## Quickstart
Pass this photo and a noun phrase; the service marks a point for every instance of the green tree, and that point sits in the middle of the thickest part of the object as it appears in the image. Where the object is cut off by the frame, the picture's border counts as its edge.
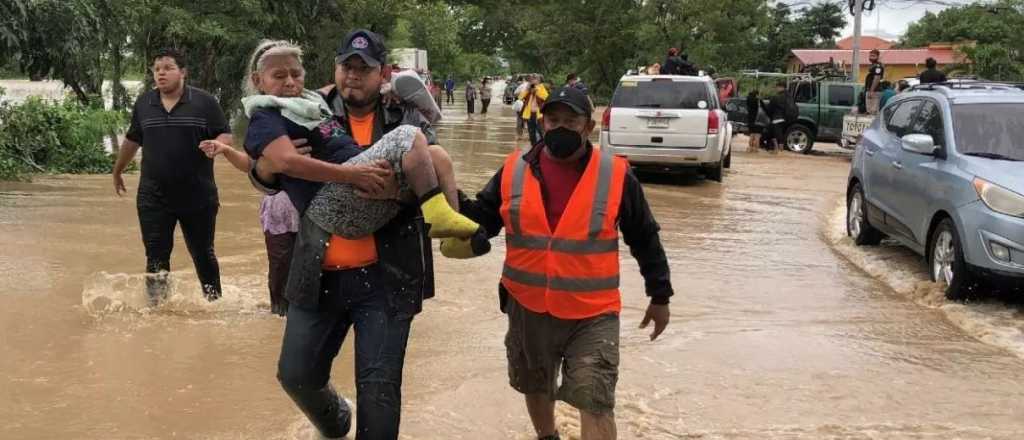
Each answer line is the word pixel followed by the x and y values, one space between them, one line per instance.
pixel 822 23
pixel 990 32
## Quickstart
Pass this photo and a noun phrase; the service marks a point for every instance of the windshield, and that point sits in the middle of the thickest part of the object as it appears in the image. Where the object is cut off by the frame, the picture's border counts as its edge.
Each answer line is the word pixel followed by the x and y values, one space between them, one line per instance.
pixel 990 130
pixel 661 94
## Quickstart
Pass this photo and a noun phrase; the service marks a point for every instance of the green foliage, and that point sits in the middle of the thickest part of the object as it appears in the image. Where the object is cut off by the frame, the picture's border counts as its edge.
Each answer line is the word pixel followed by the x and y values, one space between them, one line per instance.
pixel 994 27
pixel 44 136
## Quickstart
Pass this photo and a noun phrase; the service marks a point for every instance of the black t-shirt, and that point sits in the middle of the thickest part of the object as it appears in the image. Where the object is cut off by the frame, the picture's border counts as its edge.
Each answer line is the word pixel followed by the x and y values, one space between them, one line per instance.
pixel 876 70
pixel 932 76
pixel 777 106
pixel 266 125
pixel 171 158
pixel 753 105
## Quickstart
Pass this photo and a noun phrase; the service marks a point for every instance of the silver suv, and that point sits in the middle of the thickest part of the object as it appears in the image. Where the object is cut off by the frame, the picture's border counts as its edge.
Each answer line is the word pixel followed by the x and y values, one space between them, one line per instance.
pixel 668 121
pixel 942 171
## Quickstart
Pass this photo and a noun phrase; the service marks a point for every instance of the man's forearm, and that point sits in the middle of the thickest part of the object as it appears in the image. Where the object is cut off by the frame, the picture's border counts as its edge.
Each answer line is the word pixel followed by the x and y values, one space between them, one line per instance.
pixel 307 168
pixel 125 155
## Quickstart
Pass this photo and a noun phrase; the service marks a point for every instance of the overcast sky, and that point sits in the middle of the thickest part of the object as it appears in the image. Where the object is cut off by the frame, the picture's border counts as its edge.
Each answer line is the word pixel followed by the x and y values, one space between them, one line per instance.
pixel 890 18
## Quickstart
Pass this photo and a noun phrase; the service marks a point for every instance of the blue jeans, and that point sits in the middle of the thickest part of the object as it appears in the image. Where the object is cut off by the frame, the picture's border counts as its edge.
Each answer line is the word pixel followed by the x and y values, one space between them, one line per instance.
pixel 312 339
pixel 535 129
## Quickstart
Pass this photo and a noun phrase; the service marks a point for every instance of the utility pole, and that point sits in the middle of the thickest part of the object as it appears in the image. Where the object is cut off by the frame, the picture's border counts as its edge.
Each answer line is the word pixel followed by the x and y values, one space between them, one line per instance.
pixel 858 11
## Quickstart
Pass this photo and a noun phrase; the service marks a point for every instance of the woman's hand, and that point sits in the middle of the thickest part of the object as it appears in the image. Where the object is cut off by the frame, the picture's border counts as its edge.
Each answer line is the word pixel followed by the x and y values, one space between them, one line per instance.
pixel 371 180
pixel 389 191
pixel 213 147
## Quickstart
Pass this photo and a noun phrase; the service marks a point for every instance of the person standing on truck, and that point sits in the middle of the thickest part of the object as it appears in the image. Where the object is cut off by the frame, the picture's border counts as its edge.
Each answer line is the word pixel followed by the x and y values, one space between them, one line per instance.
pixel 932 74
pixel 673 64
pixel 687 68
pixel 873 82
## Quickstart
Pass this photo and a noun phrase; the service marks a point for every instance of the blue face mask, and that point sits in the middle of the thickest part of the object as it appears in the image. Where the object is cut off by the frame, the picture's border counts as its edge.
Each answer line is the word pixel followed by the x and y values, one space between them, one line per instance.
pixel 563 142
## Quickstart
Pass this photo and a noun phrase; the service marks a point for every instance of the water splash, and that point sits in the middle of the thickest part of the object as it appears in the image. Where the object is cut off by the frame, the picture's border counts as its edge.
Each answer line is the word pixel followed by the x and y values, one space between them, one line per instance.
pixel 989 321
pixel 106 293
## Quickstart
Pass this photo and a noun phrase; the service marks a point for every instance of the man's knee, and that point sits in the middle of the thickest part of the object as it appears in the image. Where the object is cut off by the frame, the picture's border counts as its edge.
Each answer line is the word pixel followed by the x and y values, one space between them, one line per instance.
pixel 298 376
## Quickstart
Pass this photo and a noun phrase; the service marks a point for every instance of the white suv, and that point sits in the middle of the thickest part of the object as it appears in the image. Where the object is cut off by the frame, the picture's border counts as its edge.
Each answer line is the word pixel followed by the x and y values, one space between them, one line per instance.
pixel 668 121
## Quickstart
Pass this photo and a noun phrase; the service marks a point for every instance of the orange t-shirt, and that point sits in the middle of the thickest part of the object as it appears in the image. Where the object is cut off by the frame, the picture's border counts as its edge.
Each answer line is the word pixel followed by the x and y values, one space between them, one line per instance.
pixel 342 253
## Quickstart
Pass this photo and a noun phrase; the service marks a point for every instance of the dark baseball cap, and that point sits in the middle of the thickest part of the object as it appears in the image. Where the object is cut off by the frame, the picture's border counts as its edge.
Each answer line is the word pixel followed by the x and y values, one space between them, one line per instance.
pixel 367 45
pixel 572 97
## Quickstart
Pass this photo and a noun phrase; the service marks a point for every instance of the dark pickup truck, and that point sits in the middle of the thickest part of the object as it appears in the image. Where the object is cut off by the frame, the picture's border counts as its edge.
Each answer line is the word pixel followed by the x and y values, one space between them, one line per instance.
pixel 822 107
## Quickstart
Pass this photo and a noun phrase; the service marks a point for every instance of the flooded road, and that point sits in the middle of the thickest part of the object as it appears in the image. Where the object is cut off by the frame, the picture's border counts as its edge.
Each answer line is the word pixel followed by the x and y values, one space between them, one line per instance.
pixel 776 332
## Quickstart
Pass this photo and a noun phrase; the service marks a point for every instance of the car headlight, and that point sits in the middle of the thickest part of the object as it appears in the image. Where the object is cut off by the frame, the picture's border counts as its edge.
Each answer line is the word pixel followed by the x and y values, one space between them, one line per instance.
pixel 999 199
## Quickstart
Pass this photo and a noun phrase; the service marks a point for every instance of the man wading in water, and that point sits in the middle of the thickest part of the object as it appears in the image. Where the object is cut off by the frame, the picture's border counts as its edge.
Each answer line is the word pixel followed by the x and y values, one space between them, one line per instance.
pixel 562 204
pixel 374 284
pixel 176 185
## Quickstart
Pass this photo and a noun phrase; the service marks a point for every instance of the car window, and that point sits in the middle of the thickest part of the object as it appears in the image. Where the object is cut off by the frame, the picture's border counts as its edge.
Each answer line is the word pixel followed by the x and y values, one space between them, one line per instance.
pixel 806 92
pixel 989 129
pixel 662 94
pixel 929 121
pixel 902 116
pixel 840 96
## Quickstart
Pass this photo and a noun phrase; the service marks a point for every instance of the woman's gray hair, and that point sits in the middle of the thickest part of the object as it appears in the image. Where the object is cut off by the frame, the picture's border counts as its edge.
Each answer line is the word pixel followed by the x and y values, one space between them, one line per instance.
pixel 258 60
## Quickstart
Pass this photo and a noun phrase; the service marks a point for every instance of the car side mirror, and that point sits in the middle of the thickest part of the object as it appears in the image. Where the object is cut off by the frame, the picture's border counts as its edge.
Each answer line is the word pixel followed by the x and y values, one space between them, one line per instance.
pixel 919 143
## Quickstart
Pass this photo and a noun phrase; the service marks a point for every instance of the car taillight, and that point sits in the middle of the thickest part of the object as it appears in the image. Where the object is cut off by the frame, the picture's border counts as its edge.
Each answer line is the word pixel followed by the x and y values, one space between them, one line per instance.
pixel 606 119
pixel 712 122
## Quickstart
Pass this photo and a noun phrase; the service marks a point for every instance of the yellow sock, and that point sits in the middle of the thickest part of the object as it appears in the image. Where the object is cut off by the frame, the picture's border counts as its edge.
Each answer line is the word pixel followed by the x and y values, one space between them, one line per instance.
pixel 459 248
pixel 444 221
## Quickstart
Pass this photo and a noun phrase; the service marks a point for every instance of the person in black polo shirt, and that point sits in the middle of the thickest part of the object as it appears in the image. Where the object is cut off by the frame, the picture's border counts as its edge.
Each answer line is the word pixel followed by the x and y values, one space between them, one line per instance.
pixel 873 82
pixel 177 183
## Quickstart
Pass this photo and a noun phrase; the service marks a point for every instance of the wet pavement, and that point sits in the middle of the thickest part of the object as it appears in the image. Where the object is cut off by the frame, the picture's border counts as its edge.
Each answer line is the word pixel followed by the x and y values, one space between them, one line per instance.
pixel 781 329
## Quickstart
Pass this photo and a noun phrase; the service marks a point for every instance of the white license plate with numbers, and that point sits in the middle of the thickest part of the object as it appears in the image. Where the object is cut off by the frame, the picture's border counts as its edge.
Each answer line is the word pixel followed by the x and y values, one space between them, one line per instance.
pixel 657 123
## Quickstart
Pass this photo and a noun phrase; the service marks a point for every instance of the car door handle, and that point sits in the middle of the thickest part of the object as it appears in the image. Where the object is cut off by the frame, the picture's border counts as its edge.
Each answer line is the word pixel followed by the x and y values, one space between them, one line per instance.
pixel 869 152
pixel 897 165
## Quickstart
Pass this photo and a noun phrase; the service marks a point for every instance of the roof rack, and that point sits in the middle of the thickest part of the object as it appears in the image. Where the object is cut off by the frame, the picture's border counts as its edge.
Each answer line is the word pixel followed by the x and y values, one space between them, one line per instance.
pixel 967 84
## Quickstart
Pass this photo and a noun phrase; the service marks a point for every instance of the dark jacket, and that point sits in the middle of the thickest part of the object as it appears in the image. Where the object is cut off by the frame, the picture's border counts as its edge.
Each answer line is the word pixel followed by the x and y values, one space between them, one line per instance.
pixel 405 257
pixel 672 66
pixel 932 76
pixel 777 107
pixel 639 229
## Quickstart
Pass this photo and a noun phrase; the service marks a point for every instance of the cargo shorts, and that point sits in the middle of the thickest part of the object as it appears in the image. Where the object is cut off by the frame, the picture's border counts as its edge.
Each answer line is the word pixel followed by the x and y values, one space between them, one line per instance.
pixel 586 351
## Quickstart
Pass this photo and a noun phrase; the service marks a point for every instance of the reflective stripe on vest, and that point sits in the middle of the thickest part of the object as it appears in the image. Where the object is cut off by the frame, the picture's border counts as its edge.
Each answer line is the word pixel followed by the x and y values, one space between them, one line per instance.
pixel 571 273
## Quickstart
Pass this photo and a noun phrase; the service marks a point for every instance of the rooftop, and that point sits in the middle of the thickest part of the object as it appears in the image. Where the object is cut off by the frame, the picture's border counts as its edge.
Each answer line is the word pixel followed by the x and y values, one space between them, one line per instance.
pixel 887 56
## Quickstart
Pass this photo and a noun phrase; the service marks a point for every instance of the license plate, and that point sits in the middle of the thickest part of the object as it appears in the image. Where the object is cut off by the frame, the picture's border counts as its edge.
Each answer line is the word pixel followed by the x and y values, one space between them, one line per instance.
pixel 657 123
pixel 855 128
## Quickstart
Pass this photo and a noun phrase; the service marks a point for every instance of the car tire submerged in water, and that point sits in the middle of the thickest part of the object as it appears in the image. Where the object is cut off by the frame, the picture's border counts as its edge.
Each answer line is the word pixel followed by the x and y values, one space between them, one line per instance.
pixel 799 139
pixel 714 172
pixel 727 163
pixel 857 226
pixel 946 261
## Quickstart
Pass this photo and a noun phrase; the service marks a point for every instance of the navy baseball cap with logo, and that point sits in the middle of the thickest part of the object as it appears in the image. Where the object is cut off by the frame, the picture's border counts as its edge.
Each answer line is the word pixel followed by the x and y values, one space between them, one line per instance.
pixel 367 45
pixel 572 97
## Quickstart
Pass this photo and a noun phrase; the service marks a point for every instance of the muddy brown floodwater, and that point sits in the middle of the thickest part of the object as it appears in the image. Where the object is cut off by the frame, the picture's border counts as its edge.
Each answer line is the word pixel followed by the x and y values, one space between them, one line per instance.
pixel 775 335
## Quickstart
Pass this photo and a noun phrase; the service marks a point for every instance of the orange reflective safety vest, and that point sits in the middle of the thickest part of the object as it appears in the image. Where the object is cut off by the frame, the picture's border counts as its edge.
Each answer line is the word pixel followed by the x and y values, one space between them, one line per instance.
pixel 572 272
